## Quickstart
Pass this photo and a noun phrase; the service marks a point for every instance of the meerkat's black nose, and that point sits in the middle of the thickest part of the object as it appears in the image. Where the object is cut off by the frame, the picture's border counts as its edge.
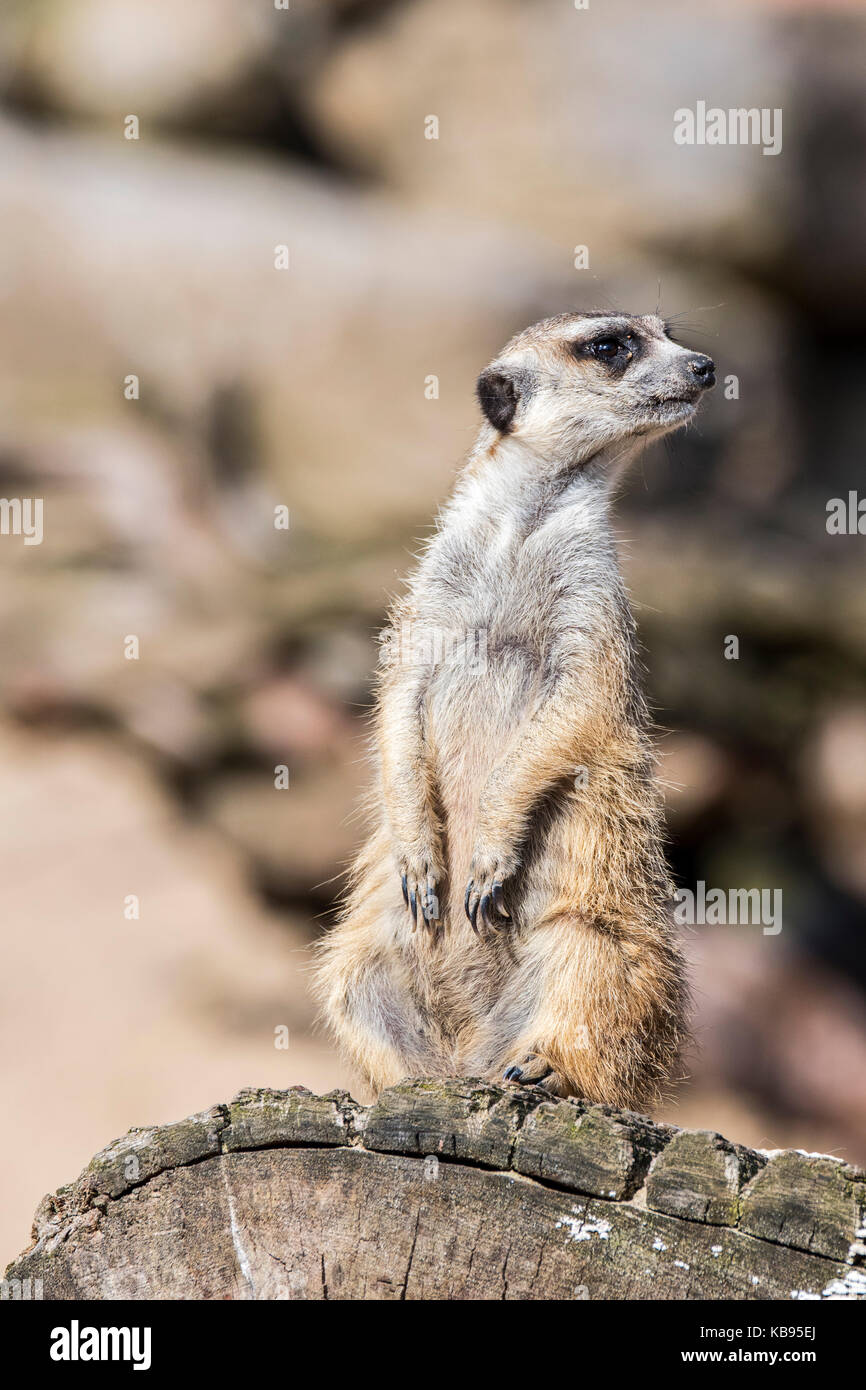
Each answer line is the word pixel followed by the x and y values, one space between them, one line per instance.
pixel 704 368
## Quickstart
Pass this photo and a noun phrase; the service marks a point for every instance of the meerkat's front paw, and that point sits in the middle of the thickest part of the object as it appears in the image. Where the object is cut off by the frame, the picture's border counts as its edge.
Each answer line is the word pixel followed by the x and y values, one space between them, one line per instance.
pixel 419 878
pixel 485 891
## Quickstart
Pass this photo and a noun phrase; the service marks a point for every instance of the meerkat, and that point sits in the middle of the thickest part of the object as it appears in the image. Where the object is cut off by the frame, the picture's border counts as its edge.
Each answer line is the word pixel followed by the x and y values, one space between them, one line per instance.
pixel 508 917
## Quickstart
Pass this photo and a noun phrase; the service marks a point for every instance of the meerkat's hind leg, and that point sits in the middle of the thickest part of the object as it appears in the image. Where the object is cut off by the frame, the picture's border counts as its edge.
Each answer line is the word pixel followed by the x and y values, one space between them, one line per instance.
pixel 599 1016
pixel 371 992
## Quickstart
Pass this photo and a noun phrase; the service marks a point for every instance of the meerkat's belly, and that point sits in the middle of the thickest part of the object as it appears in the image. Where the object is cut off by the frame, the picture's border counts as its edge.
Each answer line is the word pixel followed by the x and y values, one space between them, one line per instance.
pixel 473 713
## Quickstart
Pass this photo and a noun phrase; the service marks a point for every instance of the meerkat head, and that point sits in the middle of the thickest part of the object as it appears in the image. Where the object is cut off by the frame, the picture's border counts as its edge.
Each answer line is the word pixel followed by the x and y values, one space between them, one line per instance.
pixel 574 385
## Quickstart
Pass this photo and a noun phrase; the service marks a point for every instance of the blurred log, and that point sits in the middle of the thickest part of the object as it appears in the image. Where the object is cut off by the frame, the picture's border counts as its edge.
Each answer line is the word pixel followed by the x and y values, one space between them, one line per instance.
pixel 444 1190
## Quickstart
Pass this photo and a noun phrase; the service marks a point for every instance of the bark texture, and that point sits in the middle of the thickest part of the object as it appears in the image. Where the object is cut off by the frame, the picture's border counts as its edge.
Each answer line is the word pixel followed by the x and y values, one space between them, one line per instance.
pixel 454 1190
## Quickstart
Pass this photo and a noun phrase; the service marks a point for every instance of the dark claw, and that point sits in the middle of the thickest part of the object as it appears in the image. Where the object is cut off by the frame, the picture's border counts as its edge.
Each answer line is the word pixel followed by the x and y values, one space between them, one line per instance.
pixel 473 916
pixel 466 899
pixel 405 890
pixel 413 904
pixel 513 1074
pixel 499 900
pixel 484 908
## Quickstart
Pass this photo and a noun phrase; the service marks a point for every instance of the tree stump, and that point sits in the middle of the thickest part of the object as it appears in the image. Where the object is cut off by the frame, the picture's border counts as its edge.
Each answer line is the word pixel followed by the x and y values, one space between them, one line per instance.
pixel 444 1190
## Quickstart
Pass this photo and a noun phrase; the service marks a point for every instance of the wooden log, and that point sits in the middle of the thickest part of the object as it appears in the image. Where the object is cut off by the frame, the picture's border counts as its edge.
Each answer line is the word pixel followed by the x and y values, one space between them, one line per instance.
pixel 444 1190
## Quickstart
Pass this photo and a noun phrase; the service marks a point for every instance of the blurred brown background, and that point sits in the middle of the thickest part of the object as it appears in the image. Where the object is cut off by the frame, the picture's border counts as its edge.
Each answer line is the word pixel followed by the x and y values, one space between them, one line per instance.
pixel 409 258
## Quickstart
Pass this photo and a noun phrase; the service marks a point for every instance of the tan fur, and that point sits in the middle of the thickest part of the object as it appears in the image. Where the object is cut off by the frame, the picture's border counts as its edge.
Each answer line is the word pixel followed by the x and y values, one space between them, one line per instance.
pixel 478 764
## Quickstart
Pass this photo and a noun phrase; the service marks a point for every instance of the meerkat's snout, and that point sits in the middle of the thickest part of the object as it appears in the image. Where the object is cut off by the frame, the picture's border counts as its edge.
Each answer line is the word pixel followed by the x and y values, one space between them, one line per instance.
pixel 701 370
pixel 676 385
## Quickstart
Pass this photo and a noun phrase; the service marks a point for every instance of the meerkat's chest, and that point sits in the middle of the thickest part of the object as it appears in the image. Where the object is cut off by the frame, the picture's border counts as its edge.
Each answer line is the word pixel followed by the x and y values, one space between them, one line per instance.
pixel 516 592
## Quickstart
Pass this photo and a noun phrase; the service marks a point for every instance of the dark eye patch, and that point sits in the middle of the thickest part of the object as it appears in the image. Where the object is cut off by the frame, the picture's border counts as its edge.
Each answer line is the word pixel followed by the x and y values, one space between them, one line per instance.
pixel 612 350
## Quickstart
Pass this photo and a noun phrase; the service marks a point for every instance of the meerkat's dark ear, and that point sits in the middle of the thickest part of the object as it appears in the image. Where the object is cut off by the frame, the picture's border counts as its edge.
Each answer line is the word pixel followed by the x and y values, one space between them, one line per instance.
pixel 498 396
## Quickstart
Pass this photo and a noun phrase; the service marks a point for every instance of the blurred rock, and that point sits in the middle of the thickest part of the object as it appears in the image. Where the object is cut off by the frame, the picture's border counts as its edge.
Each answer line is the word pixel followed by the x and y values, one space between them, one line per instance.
pixel 834 794
pixel 126 1019
pixel 285 717
pixel 334 352
pixel 517 89
pixel 786 1034
pixel 343 663
pixel 835 764
pixel 299 841
pixel 107 58
pixel 211 66
pixel 694 772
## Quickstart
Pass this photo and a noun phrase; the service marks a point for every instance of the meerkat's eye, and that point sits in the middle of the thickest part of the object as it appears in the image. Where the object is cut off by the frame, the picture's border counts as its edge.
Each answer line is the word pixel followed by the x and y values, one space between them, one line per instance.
pixel 605 349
